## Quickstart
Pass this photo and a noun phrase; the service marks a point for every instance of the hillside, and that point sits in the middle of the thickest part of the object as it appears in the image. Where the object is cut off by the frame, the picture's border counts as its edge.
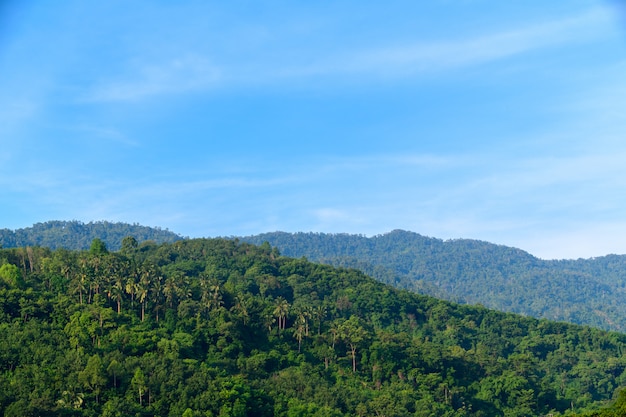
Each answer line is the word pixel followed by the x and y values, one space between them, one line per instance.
pixel 216 327
pixel 76 235
pixel 589 292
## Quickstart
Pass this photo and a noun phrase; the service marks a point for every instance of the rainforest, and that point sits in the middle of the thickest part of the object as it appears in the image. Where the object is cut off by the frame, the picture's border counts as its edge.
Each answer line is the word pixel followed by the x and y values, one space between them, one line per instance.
pixel 219 327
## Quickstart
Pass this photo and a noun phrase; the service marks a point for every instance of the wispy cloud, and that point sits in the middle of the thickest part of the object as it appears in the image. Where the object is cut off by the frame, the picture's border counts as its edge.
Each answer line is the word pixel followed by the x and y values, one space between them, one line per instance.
pixel 598 104
pixel 421 56
pixel 498 201
pixel 200 71
pixel 108 134
pixel 528 201
pixel 16 109
pixel 179 75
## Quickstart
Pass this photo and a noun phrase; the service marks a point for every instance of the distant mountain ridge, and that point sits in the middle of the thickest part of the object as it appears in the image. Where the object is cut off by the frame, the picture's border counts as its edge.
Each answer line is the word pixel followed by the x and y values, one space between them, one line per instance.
pixel 76 235
pixel 583 291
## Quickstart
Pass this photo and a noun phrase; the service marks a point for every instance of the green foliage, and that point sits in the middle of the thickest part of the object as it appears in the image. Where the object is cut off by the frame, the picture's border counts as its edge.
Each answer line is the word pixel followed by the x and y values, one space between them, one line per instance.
pixel 11 276
pixel 79 236
pixel 583 291
pixel 215 327
pixel 98 247
pixel 129 244
pixel 617 409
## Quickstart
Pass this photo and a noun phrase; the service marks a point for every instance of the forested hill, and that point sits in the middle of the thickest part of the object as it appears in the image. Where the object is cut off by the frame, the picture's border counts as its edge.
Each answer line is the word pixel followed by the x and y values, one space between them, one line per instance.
pixel 584 291
pixel 78 236
pixel 223 328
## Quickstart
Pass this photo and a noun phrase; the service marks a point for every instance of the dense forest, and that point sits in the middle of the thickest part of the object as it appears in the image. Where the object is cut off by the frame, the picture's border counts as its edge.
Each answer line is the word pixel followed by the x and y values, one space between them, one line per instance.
pixel 218 327
pixel 583 291
pixel 78 236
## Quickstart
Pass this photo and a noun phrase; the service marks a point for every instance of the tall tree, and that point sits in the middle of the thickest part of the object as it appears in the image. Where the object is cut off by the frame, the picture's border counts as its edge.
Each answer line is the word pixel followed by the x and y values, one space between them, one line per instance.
pixel 281 309
pixel 352 333
pixel 138 384
pixel 92 377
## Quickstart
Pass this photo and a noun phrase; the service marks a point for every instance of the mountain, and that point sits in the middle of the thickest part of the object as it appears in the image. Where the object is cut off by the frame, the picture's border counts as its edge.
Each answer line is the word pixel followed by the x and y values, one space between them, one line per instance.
pixel 78 236
pixel 583 291
pixel 218 327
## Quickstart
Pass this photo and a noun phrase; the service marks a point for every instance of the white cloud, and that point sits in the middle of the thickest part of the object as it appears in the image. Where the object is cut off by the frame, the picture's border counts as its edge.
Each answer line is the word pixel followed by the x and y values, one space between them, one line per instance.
pixel 327 215
pixel 497 205
pixel 432 56
pixel 200 71
pixel 180 75
pixel 16 110
pixel 108 134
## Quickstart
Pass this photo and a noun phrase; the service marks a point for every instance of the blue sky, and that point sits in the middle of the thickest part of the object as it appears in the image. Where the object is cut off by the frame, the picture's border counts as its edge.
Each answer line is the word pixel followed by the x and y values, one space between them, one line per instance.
pixel 491 120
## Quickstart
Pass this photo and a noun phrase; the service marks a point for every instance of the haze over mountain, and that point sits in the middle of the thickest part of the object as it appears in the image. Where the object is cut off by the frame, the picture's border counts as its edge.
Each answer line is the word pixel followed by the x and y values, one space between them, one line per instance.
pixel 584 291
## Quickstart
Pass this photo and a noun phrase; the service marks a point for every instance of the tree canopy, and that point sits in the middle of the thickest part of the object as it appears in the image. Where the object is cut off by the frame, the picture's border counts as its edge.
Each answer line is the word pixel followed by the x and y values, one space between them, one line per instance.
pixel 583 291
pixel 217 327
pixel 76 235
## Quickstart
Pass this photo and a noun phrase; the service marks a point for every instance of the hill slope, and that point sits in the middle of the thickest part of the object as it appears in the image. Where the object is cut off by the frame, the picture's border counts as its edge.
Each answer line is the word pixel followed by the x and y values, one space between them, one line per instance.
pixel 217 327
pixel 76 235
pixel 580 291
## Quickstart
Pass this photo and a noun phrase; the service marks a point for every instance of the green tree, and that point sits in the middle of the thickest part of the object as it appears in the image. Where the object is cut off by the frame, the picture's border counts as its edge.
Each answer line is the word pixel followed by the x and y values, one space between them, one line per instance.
pixel 114 369
pixel 281 309
pixel 319 313
pixel 299 330
pixel 129 244
pixel 12 276
pixel 352 333
pixel 142 296
pixel 98 247
pixel 138 384
pixel 92 377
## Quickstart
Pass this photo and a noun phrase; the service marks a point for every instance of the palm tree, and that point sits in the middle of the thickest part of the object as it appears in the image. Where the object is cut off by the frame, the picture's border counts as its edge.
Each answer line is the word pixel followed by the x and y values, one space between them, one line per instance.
pixel 81 279
pixel 156 292
pixel 210 293
pixel 143 286
pixel 81 282
pixel 301 328
pixel 280 312
pixel 95 262
pixel 183 287
pixel 319 312
pixel 176 288
pixel 79 285
pixel 130 288
pixel 142 296
pixel 169 290
pixel 241 306
pixel 66 270
pixel 115 282
pixel 307 313
pixel 334 331
pixel 117 291
pixel 216 296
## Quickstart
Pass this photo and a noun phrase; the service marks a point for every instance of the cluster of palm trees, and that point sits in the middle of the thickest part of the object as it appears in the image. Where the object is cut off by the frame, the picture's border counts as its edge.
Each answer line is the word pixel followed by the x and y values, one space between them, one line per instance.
pixel 129 281
pixel 303 316
pixel 127 284
pixel 124 282
pixel 145 287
